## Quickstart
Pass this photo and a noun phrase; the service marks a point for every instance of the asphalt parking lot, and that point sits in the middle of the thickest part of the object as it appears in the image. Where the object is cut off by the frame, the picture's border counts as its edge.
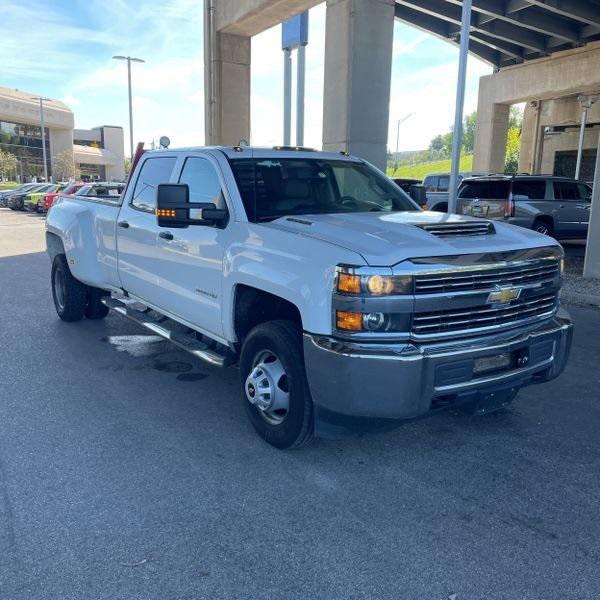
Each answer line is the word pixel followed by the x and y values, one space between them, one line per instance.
pixel 127 471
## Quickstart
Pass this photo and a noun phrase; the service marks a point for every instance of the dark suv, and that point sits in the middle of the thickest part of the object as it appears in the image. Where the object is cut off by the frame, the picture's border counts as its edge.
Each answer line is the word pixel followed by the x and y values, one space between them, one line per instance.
pixel 555 206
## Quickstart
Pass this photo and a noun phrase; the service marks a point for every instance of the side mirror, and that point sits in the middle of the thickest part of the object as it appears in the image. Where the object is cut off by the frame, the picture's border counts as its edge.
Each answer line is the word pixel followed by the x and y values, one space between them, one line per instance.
pixel 173 205
pixel 173 208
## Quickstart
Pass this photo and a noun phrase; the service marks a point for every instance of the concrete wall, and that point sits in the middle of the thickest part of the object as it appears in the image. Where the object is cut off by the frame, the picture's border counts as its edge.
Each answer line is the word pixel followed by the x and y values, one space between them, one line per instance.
pixel 538 155
pixel 563 74
pixel 251 17
pixel 114 143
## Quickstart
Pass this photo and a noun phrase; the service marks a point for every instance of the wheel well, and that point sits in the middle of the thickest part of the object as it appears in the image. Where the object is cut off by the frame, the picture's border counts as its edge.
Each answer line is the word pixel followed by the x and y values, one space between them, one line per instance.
pixel 54 245
pixel 544 219
pixel 254 306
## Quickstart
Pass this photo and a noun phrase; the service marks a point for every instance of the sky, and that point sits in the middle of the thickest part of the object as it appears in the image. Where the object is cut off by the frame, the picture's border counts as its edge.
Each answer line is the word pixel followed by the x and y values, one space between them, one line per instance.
pixel 62 49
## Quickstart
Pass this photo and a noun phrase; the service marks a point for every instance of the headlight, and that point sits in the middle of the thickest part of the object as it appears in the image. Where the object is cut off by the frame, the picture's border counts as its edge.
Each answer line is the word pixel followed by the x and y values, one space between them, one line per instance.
pixel 351 281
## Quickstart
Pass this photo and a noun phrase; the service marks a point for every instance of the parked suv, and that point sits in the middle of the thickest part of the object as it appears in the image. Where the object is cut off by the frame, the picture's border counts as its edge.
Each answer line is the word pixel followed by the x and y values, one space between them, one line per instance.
pixel 555 206
pixel 436 189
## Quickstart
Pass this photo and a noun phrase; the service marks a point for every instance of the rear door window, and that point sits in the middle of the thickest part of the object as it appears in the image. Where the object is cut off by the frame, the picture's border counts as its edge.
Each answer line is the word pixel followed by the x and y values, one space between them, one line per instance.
pixel 565 190
pixel 532 190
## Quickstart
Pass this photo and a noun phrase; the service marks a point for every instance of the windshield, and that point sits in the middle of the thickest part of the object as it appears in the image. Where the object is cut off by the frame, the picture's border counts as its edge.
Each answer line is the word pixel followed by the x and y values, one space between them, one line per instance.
pixel 271 188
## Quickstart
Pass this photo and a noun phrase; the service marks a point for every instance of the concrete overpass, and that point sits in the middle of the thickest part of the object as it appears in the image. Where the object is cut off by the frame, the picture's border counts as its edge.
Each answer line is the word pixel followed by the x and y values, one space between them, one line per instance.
pixel 544 52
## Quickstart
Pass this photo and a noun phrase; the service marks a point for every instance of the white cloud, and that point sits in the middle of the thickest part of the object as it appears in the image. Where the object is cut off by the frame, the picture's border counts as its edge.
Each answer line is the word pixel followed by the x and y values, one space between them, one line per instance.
pixel 406 47
pixel 429 94
pixel 53 51
pixel 71 101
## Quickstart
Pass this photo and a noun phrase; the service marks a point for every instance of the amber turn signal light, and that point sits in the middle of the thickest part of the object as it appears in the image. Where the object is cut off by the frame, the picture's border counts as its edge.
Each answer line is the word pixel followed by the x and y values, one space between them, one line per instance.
pixel 165 212
pixel 349 321
pixel 348 284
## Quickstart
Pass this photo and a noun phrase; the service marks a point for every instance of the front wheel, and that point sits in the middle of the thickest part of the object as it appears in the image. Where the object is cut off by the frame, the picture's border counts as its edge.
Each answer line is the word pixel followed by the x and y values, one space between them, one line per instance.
pixel 274 386
pixel 543 227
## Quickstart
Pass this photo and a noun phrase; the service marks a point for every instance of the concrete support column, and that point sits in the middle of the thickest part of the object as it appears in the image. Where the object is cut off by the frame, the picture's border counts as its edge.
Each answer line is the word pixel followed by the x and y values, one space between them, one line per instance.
pixel 529 137
pixel 591 267
pixel 228 95
pixel 358 64
pixel 490 136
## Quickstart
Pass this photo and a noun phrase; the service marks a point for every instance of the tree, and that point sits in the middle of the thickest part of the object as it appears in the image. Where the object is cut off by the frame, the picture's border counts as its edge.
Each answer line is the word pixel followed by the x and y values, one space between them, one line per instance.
pixel 8 164
pixel 513 140
pixel 64 166
pixel 469 125
pixel 515 117
pixel 513 146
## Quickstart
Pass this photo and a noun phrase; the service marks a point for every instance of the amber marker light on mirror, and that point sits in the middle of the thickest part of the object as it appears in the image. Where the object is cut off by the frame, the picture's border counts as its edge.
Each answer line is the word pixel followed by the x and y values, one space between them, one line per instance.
pixel 348 321
pixel 165 212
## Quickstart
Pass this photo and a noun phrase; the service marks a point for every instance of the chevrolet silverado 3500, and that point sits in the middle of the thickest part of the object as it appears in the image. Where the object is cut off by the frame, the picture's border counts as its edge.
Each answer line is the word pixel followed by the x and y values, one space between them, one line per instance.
pixel 342 303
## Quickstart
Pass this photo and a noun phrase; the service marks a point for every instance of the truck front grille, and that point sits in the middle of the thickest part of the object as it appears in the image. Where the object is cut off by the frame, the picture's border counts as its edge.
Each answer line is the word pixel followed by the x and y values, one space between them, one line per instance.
pixel 477 317
pixel 539 272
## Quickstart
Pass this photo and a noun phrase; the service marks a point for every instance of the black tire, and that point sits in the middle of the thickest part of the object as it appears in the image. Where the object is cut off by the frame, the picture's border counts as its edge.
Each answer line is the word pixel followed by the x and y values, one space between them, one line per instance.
pixel 283 339
pixel 69 295
pixel 95 309
pixel 543 226
pixel 443 208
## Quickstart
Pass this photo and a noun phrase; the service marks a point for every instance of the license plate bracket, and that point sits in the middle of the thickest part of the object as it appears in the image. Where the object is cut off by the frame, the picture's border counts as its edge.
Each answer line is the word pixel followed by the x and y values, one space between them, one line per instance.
pixel 491 364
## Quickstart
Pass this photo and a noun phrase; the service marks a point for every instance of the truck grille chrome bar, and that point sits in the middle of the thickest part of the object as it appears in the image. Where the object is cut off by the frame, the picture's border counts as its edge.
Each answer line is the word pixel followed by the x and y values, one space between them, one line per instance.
pixel 470 320
pixel 539 272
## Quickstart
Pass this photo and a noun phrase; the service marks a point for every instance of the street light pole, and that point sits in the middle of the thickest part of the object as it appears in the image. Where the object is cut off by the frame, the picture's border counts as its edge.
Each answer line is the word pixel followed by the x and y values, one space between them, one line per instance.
pixel 465 27
pixel 129 60
pixel 43 126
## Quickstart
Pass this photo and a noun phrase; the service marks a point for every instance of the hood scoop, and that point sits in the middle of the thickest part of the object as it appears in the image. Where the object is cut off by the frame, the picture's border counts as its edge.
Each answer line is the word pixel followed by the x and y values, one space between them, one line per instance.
pixel 456 229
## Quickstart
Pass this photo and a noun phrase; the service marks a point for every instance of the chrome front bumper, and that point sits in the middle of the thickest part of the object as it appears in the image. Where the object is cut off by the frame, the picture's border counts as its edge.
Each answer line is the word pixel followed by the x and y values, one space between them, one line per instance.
pixel 403 381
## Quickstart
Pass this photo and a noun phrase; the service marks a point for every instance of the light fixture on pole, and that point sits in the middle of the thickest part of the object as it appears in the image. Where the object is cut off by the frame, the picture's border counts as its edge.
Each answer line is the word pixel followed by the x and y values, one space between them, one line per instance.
pixel 41 100
pixel 129 60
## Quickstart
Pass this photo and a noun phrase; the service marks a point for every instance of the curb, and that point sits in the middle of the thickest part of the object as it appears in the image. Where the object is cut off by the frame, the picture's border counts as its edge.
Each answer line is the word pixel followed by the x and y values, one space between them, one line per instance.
pixel 580 299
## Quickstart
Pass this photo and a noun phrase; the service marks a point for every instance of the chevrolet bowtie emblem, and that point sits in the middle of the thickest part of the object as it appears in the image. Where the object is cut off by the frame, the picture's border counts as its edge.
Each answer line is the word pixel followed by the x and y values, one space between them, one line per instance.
pixel 504 294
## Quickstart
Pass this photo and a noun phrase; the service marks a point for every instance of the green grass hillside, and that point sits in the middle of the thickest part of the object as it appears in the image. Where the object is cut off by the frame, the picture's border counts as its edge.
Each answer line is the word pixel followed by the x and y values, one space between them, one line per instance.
pixel 7 185
pixel 420 171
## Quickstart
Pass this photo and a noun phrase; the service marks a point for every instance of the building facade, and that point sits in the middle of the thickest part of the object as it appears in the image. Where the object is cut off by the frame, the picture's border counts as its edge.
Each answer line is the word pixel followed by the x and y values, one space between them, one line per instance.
pixel 98 153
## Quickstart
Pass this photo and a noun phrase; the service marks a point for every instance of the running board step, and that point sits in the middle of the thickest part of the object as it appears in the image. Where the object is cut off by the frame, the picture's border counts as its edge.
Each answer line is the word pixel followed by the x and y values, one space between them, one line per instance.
pixel 159 325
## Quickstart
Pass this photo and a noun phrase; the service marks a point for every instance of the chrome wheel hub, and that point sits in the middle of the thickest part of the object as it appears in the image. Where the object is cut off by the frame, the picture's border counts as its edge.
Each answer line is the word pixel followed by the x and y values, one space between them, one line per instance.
pixel 267 387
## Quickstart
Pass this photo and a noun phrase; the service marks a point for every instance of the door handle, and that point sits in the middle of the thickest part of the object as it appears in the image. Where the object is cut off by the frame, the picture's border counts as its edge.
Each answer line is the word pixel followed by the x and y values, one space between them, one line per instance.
pixel 165 235
pixel 123 224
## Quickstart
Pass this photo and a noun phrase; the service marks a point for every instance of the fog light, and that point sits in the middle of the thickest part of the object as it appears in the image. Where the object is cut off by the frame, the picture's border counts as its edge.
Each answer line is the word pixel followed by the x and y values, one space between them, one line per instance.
pixel 375 321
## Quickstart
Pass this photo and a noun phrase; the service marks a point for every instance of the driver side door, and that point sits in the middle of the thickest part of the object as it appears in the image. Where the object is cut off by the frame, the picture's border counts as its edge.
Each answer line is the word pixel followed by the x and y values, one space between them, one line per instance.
pixel 189 261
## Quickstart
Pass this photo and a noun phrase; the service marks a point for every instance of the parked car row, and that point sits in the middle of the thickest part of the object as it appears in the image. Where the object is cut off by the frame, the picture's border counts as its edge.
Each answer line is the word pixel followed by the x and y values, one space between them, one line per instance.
pixel 39 197
pixel 555 206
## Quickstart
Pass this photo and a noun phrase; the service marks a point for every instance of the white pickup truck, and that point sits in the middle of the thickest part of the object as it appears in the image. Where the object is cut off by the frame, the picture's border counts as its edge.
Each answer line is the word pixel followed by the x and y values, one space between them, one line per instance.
pixel 344 305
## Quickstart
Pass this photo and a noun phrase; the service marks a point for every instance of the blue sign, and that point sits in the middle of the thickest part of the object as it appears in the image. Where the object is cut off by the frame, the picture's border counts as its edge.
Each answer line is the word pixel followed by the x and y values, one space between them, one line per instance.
pixel 294 32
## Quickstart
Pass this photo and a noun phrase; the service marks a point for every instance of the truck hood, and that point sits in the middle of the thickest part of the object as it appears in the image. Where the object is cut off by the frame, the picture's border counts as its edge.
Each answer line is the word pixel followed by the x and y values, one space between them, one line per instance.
pixel 389 238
